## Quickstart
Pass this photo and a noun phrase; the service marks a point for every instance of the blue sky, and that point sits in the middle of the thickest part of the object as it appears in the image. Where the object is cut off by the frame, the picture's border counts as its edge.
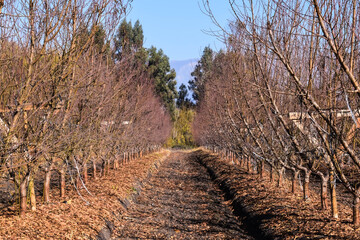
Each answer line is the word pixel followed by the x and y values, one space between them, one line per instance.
pixel 177 26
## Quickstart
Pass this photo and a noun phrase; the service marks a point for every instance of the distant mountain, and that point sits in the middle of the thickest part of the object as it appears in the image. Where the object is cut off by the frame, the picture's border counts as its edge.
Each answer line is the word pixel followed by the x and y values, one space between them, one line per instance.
pixel 183 70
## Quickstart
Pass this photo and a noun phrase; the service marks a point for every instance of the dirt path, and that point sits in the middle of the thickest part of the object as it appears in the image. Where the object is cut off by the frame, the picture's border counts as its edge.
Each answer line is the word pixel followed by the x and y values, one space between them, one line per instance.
pixel 180 202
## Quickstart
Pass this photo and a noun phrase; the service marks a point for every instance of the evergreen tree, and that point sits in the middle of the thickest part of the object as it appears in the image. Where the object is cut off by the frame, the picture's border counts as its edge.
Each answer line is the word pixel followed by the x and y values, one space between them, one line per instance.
pixel 137 36
pixel 164 77
pixel 200 72
pixel 183 101
pixel 128 39
pixel 99 40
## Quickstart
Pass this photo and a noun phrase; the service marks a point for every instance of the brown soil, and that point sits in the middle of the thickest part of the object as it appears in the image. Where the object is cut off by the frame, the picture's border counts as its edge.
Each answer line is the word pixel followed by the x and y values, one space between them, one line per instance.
pixel 273 210
pixel 180 202
pixel 192 195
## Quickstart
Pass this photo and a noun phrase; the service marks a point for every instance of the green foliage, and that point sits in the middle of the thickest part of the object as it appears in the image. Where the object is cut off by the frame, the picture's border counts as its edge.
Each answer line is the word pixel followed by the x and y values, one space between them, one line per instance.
pixel 138 35
pixel 200 74
pixel 182 130
pixel 183 101
pixel 128 39
pixel 164 77
pixel 100 42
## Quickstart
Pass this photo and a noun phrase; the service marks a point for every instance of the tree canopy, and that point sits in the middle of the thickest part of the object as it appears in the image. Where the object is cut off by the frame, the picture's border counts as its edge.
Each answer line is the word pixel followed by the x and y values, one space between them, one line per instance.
pixel 182 129
pixel 164 77
pixel 200 74
pixel 183 101
pixel 129 41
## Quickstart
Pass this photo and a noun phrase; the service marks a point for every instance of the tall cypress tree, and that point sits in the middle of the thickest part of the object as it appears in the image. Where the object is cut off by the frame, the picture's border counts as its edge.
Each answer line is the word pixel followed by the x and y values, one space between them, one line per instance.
pixel 200 72
pixel 183 101
pixel 164 77
pixel 129 40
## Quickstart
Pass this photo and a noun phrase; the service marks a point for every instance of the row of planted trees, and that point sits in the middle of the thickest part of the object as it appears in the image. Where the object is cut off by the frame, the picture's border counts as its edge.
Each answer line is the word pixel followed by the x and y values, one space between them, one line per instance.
pixel 68 102
pixel 285 95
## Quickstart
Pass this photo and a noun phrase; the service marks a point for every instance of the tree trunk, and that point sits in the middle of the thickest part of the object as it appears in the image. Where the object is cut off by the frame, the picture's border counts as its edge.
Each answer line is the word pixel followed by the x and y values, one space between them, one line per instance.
pixel 294 180
pixel 107 167
pixel 78 182
pixel 249 165
pixel 356 205
pixel 62 183
pixel 237 160
pixel 307 174
pixel 94 170
pixel 23 193
pixel 115 166
pixel 334 207
pixel 324 192
pixel 271 174
pixel 102 169
pixel 118 162
pixel 85 174
pixel 261 169
pixel 46 192
pixel 32 195
pixel 280 180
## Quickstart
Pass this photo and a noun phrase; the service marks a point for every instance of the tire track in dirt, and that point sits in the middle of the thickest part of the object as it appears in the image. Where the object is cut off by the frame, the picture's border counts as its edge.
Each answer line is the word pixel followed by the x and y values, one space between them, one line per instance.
pixel 180 202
